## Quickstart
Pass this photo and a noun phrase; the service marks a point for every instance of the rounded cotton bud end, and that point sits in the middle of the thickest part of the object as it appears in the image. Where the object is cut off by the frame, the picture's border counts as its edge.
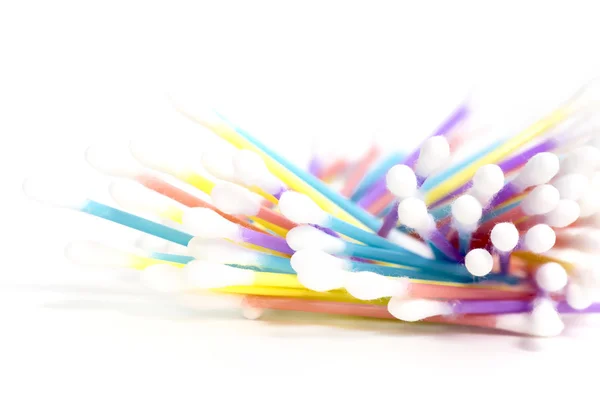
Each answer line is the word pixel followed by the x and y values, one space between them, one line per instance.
pixel 306 259
pixel 583 160
pixel 159 156
pixel 541 200
pixel 467 211
pixel 487 181
pixel 589 203
pixel 164 278
pixel 367 285
pixel 504 237
pixel 545 320
pixel 252 313
pixel 401 181
pixel 299 208
pixel 540 169
pixel 571 186
pixel 201 274
pixel 551 277
pixel 250 169
pixel 309 237
pixel 412 212
pixel 322 279
pixel 433 155
pixel 479 262
pixel 234 199
pixel 113 162
pixel 219 165
pixel 207 224
pixel 565 213
pixel 578 297
pixel 412 310
pixel 539 238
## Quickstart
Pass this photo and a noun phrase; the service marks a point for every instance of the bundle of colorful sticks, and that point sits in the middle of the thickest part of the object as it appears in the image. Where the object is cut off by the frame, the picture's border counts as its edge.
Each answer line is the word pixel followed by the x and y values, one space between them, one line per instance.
pixel 500 239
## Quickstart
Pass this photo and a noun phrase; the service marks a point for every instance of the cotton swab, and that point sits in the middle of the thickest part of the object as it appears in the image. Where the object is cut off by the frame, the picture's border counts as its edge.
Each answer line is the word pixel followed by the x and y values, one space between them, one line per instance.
pixel 466 213
pixel 251 170
pixel 551 277
pixel 504 238
pixel 479 262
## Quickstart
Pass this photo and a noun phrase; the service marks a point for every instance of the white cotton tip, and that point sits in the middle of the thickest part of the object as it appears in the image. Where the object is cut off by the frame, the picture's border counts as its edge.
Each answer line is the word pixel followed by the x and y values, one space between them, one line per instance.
pixel 234 199
pixel 367 285
pixel 466 211
pixel 504 237
pixel 412 310
pixel 551 277
pixel 219 165
pixel 541 200
pixel 113 162
pixel 412 212
pixel 306 259
pixel 589 203
pixel 410 243
pixel 309 237
pixel 55 193
pixel 479 262
pixel 571 186
pixel 539 238
pixel 222 251
pixel 96 254
pixel 578 296
pixel 252 313
pixel 433 155
pixel 207 224
pixel 201 274
pixel 540 169
pixel 401 181
pixel 138 198
pixel 158 156
pixel 164 278
pixel 300 208
pixel 583 160
pixel 545 320
pixel 250 169
pixel 487 181
pixel 565 213
pixel 323 280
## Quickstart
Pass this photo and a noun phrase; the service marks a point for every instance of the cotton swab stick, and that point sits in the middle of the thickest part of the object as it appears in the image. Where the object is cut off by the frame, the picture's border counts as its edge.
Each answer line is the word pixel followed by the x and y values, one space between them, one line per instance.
pixel 359 170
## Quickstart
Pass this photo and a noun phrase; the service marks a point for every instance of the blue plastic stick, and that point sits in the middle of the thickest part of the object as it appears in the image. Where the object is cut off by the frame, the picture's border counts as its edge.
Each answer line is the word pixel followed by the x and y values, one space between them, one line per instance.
pixel 133 221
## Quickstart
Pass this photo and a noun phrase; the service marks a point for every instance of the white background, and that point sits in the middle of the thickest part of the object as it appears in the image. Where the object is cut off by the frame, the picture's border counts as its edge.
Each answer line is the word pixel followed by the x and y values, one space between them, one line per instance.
pixel 76 73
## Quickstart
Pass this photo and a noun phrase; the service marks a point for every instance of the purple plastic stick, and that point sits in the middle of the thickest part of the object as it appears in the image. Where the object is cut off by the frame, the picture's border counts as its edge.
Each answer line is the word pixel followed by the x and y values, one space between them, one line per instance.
pixel 443 245
pixel 379 188
pixel 266 241
pixel 389 222
pixel 491 306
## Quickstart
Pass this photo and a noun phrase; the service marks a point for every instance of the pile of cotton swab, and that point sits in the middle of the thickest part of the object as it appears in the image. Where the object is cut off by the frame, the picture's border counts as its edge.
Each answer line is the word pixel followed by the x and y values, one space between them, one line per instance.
pixel 503 239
